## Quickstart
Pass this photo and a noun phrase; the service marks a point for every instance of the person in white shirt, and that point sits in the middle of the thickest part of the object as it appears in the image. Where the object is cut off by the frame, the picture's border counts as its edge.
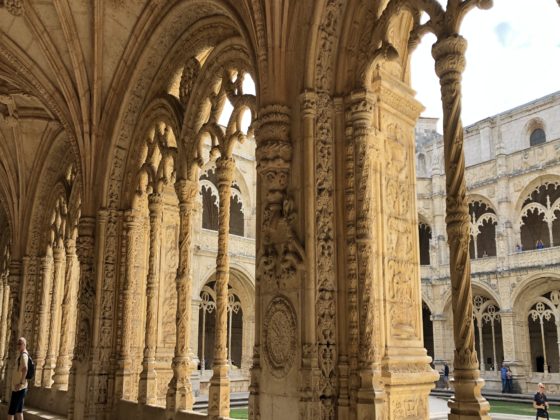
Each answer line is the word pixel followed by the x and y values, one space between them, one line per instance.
pixel 19 381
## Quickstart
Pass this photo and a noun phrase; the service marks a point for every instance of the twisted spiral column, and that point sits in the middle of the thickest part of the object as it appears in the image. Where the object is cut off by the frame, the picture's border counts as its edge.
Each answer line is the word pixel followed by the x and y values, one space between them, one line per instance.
pixel 148 391
pixel 218 402
pixel 179 392
pixel 467 403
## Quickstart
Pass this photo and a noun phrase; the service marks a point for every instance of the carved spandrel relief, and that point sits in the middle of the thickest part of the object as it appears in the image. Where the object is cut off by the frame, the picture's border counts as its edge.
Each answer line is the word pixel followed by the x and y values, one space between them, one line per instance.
pixel 279 330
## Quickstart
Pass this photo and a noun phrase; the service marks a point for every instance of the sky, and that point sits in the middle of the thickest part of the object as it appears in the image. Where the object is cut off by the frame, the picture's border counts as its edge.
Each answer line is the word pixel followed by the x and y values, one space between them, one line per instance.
pixel 513 57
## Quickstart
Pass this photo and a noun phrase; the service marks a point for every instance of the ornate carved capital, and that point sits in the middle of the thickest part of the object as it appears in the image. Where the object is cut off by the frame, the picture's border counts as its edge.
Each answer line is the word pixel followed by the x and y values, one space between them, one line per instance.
pixel 225 168
pixel 186 190
pixel 449 56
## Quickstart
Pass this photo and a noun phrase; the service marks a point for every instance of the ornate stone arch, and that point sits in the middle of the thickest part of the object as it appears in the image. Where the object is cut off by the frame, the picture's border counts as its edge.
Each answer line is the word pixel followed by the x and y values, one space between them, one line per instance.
pixel 200 24
pixel 483 222
pixel 537 212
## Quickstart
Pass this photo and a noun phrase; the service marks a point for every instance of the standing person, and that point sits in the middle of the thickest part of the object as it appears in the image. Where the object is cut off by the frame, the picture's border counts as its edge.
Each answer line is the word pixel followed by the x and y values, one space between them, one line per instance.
pixel 509 381
pixel 503 372
pixel 19 381
pixel 446 375
pixel 540 403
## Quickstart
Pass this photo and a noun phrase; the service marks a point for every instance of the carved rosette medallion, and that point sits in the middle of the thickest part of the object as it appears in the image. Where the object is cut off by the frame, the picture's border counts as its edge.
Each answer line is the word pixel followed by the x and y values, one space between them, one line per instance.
pixel 279 336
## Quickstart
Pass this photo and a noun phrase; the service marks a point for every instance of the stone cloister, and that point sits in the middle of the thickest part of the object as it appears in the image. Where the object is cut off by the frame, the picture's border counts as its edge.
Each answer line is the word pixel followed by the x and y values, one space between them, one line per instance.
pixel 512 191
pixel 114 150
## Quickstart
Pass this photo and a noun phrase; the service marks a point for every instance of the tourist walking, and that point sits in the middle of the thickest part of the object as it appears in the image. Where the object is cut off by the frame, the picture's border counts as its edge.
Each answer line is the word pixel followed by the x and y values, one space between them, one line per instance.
pixel 540 403
pixel 446 375
pixel 19 381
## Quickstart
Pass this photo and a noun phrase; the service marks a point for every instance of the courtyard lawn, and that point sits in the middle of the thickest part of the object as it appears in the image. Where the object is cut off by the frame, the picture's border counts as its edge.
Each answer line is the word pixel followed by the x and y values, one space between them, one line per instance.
pixel 239 413
pixel 522 409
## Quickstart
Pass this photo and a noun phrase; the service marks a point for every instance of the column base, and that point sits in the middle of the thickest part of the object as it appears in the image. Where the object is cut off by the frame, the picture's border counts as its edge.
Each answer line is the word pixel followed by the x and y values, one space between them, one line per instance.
pixel 218 393
pixel 47 375
pixel 147 388
pixel 61 374
pixel 468 402
pixel 179 392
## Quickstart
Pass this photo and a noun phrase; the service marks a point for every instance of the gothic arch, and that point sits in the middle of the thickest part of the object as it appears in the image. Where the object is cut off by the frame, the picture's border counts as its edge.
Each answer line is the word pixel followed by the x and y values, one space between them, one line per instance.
pixel 537 213
pixel 483 222
pixel 479 288
pixel 530 187
pixel 210 23
pixel 531 286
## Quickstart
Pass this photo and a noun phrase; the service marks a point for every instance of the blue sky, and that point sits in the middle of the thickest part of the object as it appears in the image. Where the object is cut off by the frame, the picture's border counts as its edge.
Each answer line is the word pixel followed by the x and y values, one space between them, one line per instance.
pixel 513 57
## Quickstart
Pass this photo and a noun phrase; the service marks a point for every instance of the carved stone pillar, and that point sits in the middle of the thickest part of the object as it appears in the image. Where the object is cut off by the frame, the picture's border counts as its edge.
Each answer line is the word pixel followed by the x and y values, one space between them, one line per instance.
pixel 449 56
pixel 4 294
pixel 77 381
pixel 147 393
pixel 370 394
pixel 133 232
pixel 440 339
pixel 195 323
pixel 278 287
pixel 67 324
pixel 54 330
pixel 179 392
pixel 44 308
pixel 247 341
pixel 512 344
pixel 14 282
pixel 218 397
pixel 396 377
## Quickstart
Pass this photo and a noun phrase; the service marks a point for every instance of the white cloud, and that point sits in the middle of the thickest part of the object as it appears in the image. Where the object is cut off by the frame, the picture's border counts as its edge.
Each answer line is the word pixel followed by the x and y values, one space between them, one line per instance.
pixel 513 57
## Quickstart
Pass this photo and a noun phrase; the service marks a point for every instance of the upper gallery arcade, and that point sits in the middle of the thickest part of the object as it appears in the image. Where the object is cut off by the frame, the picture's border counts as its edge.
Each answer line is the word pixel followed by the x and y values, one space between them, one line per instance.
pixel 127 133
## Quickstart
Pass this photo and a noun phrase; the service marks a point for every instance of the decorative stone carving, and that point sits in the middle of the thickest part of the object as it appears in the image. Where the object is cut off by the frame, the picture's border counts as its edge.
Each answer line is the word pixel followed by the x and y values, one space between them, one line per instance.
pixel 279 340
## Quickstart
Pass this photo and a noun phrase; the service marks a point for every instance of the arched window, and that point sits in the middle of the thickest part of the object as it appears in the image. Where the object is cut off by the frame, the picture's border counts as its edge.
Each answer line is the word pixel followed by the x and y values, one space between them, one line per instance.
pixel 210 200
pixel 488 332
pixel 207 325
pixel 543 316
pixel 428 330
pixel 424 237
pixel 483 230
pixel 540 225
pixel 538 136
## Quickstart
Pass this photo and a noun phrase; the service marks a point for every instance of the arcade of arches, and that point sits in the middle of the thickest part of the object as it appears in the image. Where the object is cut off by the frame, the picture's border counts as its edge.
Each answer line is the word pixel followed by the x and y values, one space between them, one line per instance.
pixel 204 196
pixel 513 191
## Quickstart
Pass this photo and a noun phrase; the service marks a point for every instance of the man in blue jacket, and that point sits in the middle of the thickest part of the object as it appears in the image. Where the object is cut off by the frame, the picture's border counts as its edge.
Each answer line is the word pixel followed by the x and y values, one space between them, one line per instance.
pixel 503 371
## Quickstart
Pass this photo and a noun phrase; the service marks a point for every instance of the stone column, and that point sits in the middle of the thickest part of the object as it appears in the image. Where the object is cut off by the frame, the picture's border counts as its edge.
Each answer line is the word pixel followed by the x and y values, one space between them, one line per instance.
pixel 371 394
pixel 43 315
pixel 147 393
pixel 14 282
pixel 247 339
pixel 179 392
pixel 54 332
pixel 77 381
pixel 133 232
pixel 4 295
pixel 218 397
pixel 195 321
pixel 440 338
pixel 449 55
pixel 67 324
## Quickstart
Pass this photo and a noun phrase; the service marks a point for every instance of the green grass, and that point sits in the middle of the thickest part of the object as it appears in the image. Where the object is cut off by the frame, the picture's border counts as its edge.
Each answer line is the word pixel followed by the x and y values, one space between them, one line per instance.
pixel 522 409
pixel 239 413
